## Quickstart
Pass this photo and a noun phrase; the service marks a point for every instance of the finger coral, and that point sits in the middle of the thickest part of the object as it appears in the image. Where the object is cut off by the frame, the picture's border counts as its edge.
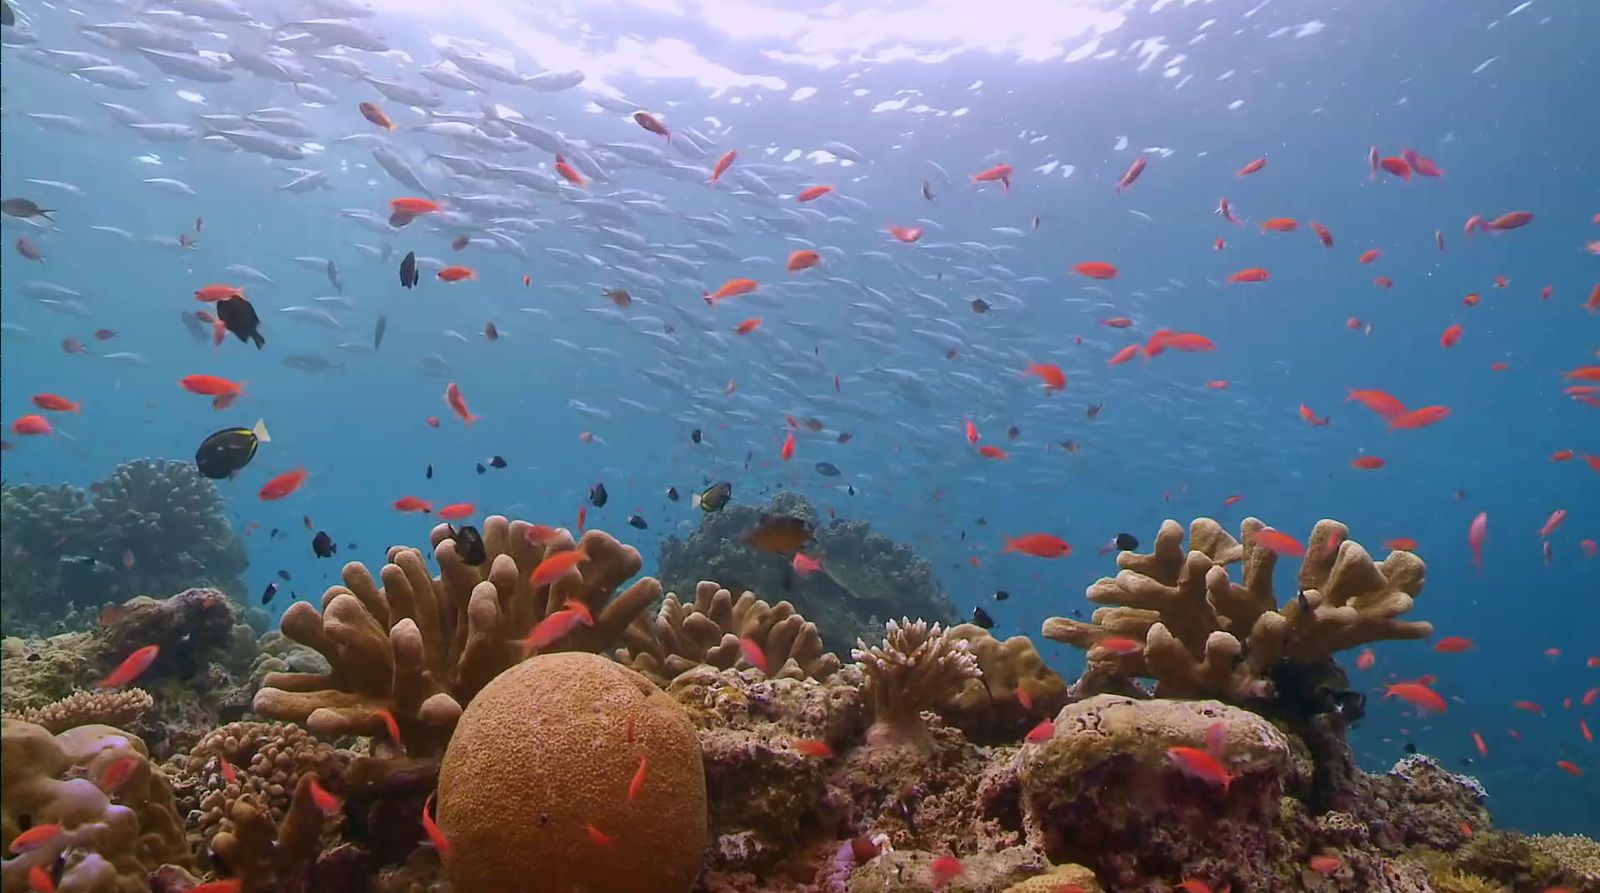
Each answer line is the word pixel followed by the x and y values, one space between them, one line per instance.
pixel 572 772
pixel 1016 688
pixel 916 668
pixel 708 631
pixel 83 708
pixel 262 852
pixel 421 647
pixel 1200 634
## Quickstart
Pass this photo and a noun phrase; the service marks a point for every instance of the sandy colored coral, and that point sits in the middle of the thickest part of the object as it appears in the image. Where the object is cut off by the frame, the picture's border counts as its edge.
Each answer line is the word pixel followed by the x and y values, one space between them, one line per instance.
pixel 268 759
pixel 1057 879
pixel 916 667
pixel 1204 635
pixel 547 751
pixel 422 647
pixel 105 847
pixel 1576 856
pixel 263 852
pixel 1016 688
pixel 707 632
pixel 83 708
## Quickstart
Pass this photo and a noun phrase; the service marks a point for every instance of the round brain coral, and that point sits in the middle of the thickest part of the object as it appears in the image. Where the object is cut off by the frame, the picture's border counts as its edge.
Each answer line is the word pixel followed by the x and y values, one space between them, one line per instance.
pixel 534 789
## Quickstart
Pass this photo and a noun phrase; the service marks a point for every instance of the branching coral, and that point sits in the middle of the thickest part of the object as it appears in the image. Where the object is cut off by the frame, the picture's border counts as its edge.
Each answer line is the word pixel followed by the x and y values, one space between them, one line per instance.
pixel 707 632
pixel 915 668
pixel 1015 691
pixel 268 760
pixel 262 852
pixel 1202 635
pixel 421 647
pixel 82 708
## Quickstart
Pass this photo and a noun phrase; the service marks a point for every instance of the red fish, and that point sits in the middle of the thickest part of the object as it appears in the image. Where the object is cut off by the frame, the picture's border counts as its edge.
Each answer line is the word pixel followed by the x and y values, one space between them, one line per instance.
pixel 1528 707
pixel 1477 532
pixel 1511 220
pixel 390 724
pixel 1249 274
pixel 906 234
pixel 1001 172
pixel 811 747
pixel 1417 695
pixel 945 869
pixel 39 880
pixel 1132 173
pixel 227 885
pixel 735 287
pixel 1200 765
pixel 1120 645
pixel 1370 255
pixel 1572 770
pixel 1324 864
pixel 1552 522
pixel 1038 545
pixel 413 504
pixel 568 172
pixel 651 123
pixel 431 828
pixel 1421 165
pixel 282 485
pixel 1052 376
pixel 209 385
pixel 1095 269
pixel 751 649
pixel 786 452
pixel 1225 209
pixel 1253 166
pixel 558 625
pixel 1123 355
pixel 325 802
pixel 117 774
pixel 413 206
pixel 31 425
pixel 1450 336
pixel 596 836
pixel 556 566
pixel 812 193
pixel 457 510
pixel 1323 234
pixel 1453 645
pixel 456 273
pixel 374 114
pixel 131 668
pixel 34 837
pixel 748 326
pixel 1420 418
pixel 989 451
pixel 1368 463
pixel 458 403
pixel 723 164
pixel 1383 282
pixel 1367 659
pixel 1401 544
pixel 1117 322
pixel 1279 543
pixel 1280 225
pixel 1396 167
pixel 1044 731
pixel 1310 418
pixel 804 565
pixel 217 292
pixel 1380 402
pixel 972 432
pixel 637 784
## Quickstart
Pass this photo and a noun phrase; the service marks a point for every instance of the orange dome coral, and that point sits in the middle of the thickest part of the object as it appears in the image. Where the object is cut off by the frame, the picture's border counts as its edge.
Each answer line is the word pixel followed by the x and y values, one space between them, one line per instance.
pixel 534 789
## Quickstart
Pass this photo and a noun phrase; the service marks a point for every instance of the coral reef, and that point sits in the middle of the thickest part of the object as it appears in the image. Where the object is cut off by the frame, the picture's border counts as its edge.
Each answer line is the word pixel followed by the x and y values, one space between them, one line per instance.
pixel 1199 634
pixel 154 526
pixel 707 632
pixel 1016 688
pixel 866 579
pixel 85 708
pixel 915 668
pixel 422 647
pixel 628 814
pixel 264 853
pixel 103 846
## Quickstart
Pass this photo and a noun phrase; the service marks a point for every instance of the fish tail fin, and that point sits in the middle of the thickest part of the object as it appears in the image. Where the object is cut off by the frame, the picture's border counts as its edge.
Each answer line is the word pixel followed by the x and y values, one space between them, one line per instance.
pixel 260 341
pixel 260 431
pixel 694 501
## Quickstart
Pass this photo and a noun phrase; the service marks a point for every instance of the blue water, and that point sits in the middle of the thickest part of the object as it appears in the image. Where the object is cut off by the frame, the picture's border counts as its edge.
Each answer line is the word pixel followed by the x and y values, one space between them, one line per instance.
pixel 1087 85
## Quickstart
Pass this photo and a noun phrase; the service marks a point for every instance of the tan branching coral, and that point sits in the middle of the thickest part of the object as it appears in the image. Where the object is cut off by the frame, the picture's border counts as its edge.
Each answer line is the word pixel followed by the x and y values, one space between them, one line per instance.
pixel 917 667
pixel 422 647
pixel 707 632
pixel 1016 688
pixel 268 760
pixel 84 708
pixel 1203 635
pixel 262 852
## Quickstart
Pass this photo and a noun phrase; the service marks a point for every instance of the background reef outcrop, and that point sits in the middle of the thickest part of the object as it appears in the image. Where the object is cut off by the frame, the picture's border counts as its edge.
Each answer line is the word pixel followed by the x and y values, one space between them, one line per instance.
pixel 154 527
pixel 866 579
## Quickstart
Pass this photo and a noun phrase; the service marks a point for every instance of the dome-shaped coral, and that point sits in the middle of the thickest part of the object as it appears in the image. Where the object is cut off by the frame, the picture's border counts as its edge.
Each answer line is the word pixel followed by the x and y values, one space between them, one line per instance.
pixel 534 788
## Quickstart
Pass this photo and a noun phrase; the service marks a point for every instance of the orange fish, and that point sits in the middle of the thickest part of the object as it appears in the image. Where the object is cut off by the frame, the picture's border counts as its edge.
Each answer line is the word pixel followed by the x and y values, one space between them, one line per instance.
pixel 431 828
pixel 1132 173
pixel 1420 418
pixel 1038 545
pixel 34 837
pixel 413 206
pixel 1367 659
pixel 209 385
pixel 1217 384
pixel 1552 522
pixel 1117 322
pixel 1368 463
pixel 1001 172
pixel 1249 274
pixel 1310 418
pixel 217 292
pixel 1380 402
pixel 810 747
pixel 1453 645
pixel 1483 749
pixel 282 485
pixel 556 566
pixel 1123 355
pixel 1201 765
pixel 1052 376
pixel 651 123
pixel 1561 455
pixel 1417 695
pixel 753 654
pixel 1253 166
pixel 325 802
pixel 1279 543
pixel 1450 336
pixel 1324 864
pixel 1044 731
pixel 989 451
pixel 458 403
pixel 117 774
pixel 748 326
pixel 1095 269
pixel 1370 255
pixel 812 193
pixel 735 287
pixel 786 452
pixel 596 836
pixel 1280 225
pixel 1584 373
pixel 804 565
pixel 131 668
pixel 1383 282
pixel 723 164
pixel 1120 645
pixel 53 403
pixel 568 172
pixel 1571 769
pixel 972 432
pixel 559 624
pixel 945 869
pixel 456 511
pixel 372 113
pixel 1396 167
pixel 906 234
pixel 456 273
pixel 31 424
pixel 39 880
pixel 1324 235
pixel 1511 220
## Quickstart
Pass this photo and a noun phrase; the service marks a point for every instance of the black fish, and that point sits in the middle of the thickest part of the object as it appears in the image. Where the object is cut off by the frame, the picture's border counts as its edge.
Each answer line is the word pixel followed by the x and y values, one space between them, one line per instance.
pixel 239 317
pixel 637 522
pixel 851 489
pixel 714 497
pixel 1001 595
pixel 780 533
pixel 598 496
pixel 323 545
pixel 1411 748
pixel 827 469
pixel 481 469
pixel 283 575
pixel 469 545
pixel 982 522
pixel 496 462
pixel 229 450
pixel 1013 432
pixel 273 535
pixel 1127 542
pixel 270 593
pixel 7 17
pixel 1093 411
pixel 377 332
pixel 979 305
pixel 333 277
pixel 672 493
pixel 695 435
pixel 844 437
pixel 409 275
pixel 981 618
pixel 429 474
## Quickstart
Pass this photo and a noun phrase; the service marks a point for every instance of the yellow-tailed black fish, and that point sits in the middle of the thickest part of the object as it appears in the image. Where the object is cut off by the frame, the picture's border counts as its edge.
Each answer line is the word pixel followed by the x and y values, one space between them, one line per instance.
pixel 409 275
pixel 780 533
pixel 230 449
pixel 239 317
pixel 714 497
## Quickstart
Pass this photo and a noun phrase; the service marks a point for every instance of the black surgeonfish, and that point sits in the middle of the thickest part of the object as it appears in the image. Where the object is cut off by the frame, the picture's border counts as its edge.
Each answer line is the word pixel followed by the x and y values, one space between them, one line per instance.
pixel 409 275
pixel 230 449
pixel 239 317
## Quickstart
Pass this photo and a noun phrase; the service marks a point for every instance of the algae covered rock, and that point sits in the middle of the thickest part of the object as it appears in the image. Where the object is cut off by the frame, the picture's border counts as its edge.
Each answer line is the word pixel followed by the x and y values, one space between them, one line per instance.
pixel 534 787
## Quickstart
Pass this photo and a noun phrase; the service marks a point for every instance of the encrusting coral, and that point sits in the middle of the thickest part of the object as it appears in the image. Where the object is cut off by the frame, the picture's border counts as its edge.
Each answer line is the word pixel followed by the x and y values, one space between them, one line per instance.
pixel 107 842
pixel 708 630
pixel 83 708
pixel 1199 634
pixel 916 667
pixel 422 647
pixel 570 771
